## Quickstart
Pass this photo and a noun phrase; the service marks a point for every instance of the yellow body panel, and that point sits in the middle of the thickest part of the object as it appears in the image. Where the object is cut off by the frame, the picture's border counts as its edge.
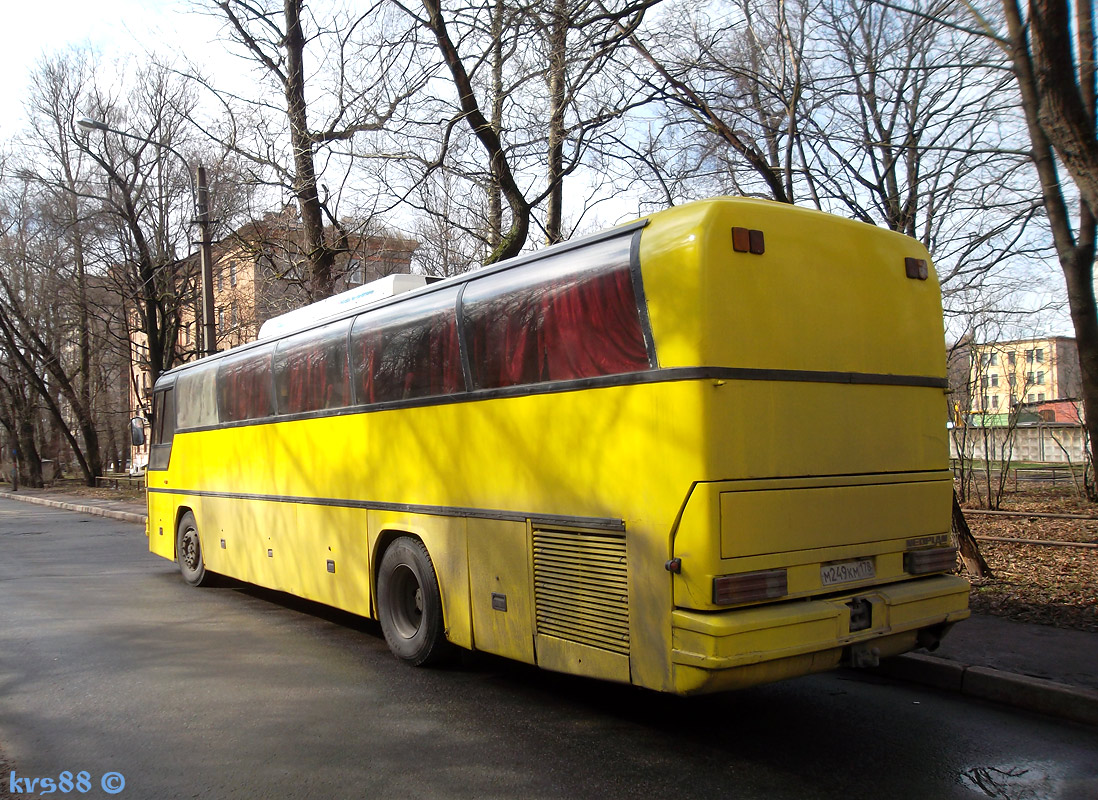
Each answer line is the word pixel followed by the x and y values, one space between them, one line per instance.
pixel 512 455
pixel 499 565
pixel 729 472
pixel 827 294
pixel 801 518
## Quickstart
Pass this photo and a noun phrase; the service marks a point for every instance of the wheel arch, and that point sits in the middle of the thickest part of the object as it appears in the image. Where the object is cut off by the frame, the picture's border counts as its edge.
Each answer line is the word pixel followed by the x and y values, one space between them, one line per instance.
pixel 444 538
pixel 180 512
pixel 384 539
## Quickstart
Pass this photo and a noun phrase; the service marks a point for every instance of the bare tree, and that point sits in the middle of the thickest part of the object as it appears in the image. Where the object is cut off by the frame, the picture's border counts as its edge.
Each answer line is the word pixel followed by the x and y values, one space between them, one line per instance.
pixel 37 332
pixel 585 53
pixel 55 86
pixel 142 192
pixel 733 80
pixel 535 86
pixel 95 225
pixel 455 234
pixel 292 148
pixel 501 170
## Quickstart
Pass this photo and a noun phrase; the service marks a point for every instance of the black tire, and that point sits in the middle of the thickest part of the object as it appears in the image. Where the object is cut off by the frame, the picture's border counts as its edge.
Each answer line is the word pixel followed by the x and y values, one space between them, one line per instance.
pixel 410 604
pixel 188 550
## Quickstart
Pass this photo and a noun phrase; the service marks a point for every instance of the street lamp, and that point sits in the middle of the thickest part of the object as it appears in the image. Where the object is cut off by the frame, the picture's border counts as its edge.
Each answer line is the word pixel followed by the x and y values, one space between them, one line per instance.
pixel 200 194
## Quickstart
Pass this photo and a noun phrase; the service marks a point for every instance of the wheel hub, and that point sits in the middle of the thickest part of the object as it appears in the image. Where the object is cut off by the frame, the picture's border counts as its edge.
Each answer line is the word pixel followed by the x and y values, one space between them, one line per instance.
pixel 407 605
pixel 190 549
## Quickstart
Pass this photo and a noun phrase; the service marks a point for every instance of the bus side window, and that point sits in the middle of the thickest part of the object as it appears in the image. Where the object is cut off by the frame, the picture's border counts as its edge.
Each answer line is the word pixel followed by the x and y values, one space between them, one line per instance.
pixel 571 316
pixel 404 352
pixel 244 386
pixel 196 397
pixel 311 371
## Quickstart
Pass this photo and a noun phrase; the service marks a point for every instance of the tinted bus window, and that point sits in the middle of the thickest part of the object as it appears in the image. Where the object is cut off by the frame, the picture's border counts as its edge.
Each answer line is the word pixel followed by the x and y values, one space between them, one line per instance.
pixel 407 350
pixel 570 316
pixel 164 417
pixel 244 386
pixel 163 429
pixel 310 370
pixel 197 397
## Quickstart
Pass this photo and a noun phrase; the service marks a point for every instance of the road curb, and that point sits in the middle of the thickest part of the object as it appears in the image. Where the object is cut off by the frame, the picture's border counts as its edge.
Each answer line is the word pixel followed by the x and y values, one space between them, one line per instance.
pixel 1074 703
pixel 99 511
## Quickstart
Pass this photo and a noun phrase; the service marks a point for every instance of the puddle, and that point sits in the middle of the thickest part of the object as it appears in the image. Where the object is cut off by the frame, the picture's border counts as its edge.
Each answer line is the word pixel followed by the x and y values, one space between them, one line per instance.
pixel 1028 782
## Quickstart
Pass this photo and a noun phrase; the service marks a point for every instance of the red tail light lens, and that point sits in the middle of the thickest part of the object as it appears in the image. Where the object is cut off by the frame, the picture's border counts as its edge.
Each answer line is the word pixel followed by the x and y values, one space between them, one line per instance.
pixel 748 587
pixel 938 559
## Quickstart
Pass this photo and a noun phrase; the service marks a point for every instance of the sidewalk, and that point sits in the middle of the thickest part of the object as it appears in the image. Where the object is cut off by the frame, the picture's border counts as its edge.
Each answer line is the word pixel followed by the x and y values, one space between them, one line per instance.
pixel 1036 667
pixel 122 510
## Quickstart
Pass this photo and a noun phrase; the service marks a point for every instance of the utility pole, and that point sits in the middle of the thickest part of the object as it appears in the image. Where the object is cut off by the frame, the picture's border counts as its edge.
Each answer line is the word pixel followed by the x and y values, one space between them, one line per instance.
pixel 209 334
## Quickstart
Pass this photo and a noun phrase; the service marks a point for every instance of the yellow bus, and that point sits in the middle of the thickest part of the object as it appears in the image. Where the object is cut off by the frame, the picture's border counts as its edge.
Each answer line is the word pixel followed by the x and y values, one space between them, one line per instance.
pixel 696 452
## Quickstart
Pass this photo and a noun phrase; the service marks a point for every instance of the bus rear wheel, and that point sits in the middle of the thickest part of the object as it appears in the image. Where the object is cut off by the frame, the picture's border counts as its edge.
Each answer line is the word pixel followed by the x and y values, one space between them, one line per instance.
pixel 188 550
pixel 410 604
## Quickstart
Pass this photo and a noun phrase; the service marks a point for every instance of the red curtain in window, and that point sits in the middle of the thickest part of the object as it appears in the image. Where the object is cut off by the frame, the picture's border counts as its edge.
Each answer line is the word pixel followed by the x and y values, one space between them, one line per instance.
pixel 592 328
pixel 580 326
pixel 244 388
pixel 313 378
pixel 419 358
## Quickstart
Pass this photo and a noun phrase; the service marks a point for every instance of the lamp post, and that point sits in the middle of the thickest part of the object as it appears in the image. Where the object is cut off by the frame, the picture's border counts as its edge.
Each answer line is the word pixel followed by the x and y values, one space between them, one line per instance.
pixel 200 195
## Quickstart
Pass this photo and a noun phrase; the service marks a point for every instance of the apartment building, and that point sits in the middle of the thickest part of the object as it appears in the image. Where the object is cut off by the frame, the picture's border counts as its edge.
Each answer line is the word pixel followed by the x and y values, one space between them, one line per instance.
pixel 1040 372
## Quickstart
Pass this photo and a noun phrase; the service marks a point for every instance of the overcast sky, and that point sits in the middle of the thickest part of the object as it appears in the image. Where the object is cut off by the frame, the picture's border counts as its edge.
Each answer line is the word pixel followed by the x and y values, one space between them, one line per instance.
pixel 115 28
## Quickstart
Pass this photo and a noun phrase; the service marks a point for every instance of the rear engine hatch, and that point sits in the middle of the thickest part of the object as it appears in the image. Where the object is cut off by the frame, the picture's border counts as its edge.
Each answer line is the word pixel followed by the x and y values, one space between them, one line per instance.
pixel 758 522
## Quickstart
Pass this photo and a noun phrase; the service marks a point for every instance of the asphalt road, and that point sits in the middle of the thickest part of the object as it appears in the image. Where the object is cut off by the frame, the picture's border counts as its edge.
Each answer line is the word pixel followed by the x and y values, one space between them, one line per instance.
pixel 109 663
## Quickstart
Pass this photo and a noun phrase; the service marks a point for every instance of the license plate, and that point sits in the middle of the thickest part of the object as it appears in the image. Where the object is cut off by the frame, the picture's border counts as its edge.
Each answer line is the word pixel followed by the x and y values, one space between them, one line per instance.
pixel 847 571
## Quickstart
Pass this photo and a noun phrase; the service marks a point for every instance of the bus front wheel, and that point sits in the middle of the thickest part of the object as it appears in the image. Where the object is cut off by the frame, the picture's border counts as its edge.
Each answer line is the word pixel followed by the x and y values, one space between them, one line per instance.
pixel 188 550
pixel 410 604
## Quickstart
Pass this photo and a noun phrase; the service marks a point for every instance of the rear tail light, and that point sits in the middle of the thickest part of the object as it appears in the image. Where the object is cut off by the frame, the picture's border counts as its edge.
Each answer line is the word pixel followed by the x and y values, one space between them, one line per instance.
pixel 938 559
pixel 750 586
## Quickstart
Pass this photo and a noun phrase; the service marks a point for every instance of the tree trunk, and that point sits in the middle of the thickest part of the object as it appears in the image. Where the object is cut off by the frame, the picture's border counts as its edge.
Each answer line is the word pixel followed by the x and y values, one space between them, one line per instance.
pixel 319 256
pixel 29 463
pixel 1062 109
pixel 1079 275
pixel 495 194
pixel 512 242
pixel 966 544
pixel 558 43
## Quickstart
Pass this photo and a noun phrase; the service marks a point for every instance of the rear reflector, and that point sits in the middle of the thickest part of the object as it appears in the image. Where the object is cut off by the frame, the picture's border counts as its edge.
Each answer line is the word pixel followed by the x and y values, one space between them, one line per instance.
pixel 729 589
pixel 938 559
pixel 916 268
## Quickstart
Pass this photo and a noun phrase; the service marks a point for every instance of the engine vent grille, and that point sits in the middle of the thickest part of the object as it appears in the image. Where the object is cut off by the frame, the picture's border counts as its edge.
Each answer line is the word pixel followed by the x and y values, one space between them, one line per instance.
pixel 581 587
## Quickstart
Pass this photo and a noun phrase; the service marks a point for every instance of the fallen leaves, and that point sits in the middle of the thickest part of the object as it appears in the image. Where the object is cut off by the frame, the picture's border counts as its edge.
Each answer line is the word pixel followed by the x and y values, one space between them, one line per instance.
pixel 1040 583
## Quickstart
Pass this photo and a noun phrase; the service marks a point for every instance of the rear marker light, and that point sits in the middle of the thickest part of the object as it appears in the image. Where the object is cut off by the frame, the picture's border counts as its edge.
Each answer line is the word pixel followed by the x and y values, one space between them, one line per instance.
pixel 747 240
pixel 729 589
pixel 938 559
pixel 916 269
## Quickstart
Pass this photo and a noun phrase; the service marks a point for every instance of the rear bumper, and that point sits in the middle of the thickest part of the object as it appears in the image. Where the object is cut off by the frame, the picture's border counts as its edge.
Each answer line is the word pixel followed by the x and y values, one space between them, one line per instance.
pixel 715 651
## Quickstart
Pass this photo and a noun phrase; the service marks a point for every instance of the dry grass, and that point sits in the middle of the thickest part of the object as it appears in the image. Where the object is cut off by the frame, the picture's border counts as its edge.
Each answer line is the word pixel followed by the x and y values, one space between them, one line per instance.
pixel 1040 583
pixel 124 492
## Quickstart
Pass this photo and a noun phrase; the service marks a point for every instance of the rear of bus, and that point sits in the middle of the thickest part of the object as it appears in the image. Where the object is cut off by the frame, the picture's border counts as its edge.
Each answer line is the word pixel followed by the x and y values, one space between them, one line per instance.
pixel 819 533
